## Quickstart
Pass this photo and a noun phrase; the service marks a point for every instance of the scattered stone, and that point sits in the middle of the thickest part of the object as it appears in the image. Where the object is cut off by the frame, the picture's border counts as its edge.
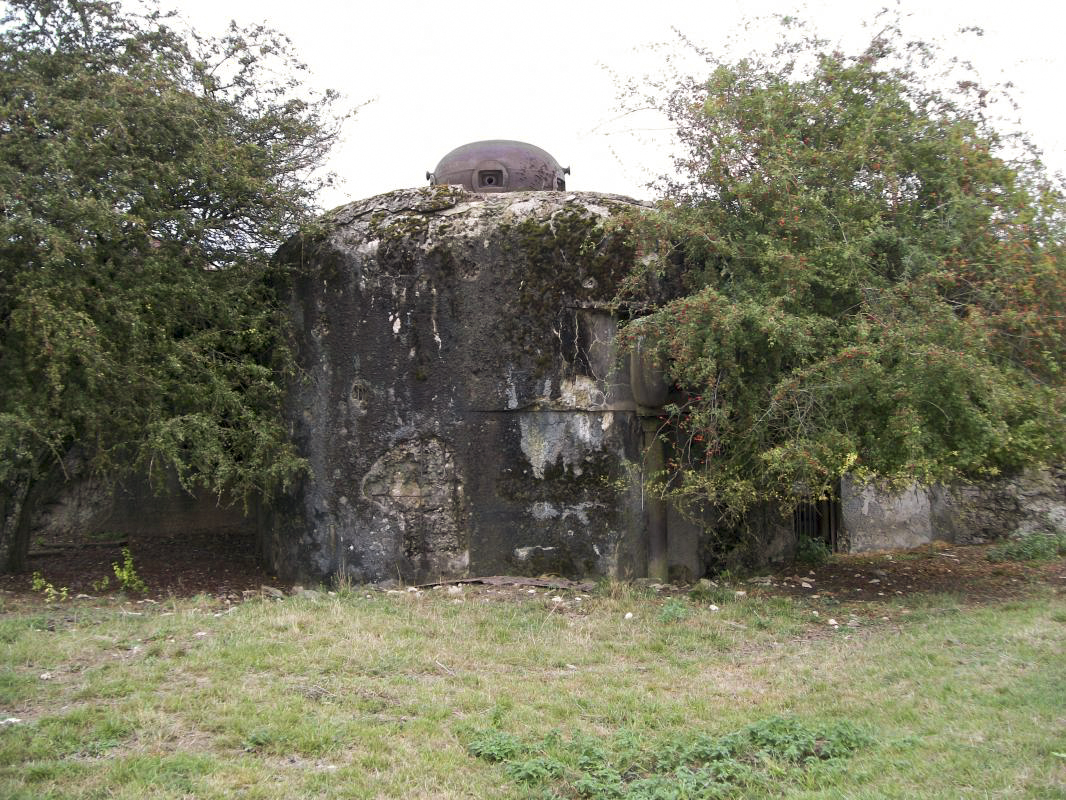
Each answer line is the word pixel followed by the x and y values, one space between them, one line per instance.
pixel 629 615
pixel 557 599
pixel 46 676
pixel 713 607
pixel 740 593
pixel 271 591
pixel 10 721
pixel 832 622
pixel 455 589
pixel 200 634
pixel 806 585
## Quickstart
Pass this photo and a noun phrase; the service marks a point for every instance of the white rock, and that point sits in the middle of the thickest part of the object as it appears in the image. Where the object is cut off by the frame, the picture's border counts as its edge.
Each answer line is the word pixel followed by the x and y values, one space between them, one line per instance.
pixel 629 615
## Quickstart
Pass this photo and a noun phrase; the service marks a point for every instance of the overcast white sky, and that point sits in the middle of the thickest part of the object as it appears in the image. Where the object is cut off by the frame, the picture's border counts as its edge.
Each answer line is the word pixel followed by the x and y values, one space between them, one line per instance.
pixel 444 73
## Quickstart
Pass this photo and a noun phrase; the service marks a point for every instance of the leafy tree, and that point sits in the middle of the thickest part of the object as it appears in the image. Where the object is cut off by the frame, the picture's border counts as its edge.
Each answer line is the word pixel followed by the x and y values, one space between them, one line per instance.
pixel 146 174
pixel 874 278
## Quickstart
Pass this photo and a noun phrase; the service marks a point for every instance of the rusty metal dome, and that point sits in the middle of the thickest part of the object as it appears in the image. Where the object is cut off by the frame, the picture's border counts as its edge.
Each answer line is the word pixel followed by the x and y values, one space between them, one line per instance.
pixel 499 165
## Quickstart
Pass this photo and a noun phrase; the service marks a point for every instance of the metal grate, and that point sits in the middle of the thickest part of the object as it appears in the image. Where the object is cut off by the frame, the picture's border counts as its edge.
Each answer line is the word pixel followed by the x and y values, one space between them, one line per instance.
pixel 819 520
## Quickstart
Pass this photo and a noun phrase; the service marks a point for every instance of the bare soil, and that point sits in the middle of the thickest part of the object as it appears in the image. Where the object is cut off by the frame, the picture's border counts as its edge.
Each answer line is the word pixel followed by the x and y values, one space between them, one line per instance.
pixel 220 564
pixel 224 565
pixel 934 568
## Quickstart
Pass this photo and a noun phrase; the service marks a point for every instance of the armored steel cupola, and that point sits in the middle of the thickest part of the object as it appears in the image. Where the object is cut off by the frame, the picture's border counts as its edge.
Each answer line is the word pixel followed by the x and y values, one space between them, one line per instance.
pixel 499 165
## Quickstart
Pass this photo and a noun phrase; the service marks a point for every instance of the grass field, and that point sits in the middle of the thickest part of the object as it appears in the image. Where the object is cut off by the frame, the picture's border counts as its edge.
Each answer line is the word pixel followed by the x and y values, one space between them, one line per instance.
pixel 511 693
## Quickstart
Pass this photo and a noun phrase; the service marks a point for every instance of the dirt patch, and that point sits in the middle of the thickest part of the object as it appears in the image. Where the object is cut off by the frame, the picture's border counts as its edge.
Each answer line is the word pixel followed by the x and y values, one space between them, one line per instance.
pixel 217 563
pixel 935 568
pixel 224 565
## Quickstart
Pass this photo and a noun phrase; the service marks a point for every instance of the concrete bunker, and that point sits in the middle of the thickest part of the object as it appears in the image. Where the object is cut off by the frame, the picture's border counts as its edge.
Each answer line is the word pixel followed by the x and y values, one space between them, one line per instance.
pixel 465 408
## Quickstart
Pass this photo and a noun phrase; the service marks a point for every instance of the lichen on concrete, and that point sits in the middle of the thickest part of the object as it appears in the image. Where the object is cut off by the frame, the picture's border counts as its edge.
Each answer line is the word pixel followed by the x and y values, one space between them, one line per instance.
pixel 463 408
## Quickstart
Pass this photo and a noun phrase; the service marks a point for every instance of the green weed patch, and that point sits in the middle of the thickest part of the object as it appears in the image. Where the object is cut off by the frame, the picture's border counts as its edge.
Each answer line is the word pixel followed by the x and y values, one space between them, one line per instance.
pixel 1032 546
pixel 695 766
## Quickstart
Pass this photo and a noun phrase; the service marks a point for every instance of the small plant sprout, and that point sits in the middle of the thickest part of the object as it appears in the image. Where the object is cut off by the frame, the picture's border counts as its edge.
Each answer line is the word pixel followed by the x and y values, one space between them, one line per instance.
pixel 127 575
pixel 50 592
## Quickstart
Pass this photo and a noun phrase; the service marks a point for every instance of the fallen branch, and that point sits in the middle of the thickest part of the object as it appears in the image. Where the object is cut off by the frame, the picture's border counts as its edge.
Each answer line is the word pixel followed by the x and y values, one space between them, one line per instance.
pixel 61 549
pixel 516 580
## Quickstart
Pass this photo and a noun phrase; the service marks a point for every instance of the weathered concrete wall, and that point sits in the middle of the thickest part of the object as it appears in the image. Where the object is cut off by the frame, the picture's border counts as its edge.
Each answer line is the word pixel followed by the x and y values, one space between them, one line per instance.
pixel 873 518
pixel 981 512
pixel 876 519
pixel 764 538
pixel 462 407
pixel 85 506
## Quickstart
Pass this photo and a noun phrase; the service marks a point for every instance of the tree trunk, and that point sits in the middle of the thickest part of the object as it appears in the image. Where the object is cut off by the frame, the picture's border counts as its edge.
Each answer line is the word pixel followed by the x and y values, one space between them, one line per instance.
pixel 18 505
pixel 12 526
